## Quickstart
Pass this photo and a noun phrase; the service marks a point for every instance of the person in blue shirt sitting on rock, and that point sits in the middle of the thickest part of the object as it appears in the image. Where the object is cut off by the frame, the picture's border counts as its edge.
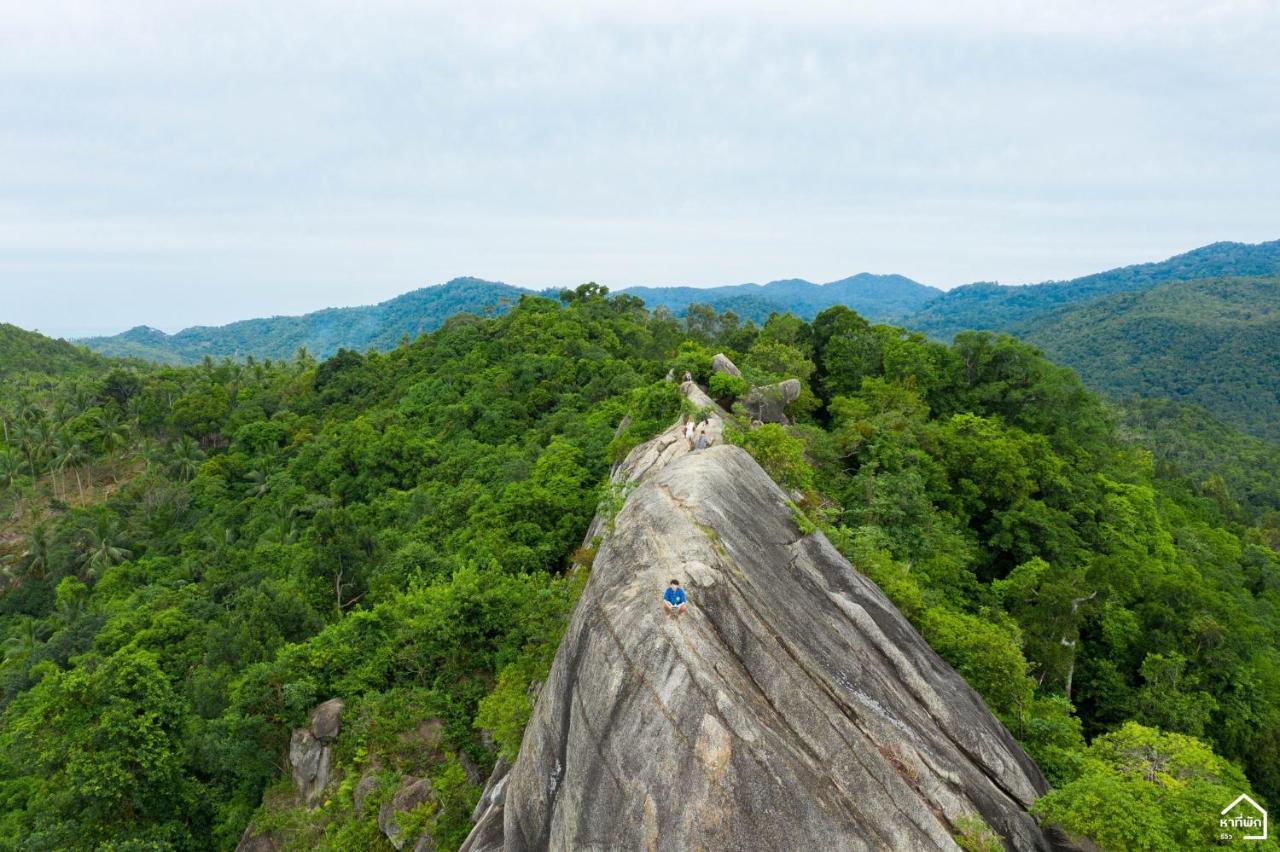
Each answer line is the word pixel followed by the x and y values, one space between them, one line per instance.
pixel 674 600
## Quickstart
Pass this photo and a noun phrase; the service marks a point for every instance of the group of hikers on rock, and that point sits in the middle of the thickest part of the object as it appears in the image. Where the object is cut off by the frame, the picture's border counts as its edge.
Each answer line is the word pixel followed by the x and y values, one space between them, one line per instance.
pixel 696 434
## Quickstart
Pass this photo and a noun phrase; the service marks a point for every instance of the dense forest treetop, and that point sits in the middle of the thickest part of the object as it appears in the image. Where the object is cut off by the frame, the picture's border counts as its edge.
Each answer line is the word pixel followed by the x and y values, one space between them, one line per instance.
pixel 1001 307
pixel 1186 440
pixel 29 351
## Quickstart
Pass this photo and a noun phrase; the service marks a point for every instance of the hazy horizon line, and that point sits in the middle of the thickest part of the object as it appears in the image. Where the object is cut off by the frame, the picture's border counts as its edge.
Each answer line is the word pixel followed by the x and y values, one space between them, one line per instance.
pixel 77 333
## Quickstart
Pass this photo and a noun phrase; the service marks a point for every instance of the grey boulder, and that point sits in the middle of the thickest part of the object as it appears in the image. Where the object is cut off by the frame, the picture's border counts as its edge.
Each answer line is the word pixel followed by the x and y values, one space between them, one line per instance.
pixel 252 841
pixel 326 720
pixel 412 792
pixel 311 762
pixel 311 753
pixel 720 363
pixel 365 787
pixel 487 834
pixel 768 403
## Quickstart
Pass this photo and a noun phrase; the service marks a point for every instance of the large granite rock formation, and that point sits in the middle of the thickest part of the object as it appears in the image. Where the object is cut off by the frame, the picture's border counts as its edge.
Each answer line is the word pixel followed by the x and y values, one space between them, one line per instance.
pixel 311 751
pixel 793 707
pixel 768 403
pixel 311 766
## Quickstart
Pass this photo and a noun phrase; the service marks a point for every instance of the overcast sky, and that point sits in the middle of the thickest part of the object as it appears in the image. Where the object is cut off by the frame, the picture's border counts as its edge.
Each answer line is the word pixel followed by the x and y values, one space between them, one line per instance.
pixel 181 163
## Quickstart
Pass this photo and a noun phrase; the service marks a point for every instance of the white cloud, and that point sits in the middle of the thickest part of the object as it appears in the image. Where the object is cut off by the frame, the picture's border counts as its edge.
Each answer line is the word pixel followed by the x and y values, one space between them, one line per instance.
pixel 279 152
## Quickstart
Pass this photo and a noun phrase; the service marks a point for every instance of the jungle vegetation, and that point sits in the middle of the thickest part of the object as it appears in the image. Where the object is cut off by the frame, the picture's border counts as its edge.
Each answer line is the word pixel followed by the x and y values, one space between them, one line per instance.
pixel 196 556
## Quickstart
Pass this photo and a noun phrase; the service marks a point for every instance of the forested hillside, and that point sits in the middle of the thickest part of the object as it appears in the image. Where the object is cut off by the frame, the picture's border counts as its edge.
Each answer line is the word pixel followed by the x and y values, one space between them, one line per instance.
pixel 1238 470
pixel 27 351
pixel 1004 308
pixel 321 333
pixel 196 557
pixel 1212 342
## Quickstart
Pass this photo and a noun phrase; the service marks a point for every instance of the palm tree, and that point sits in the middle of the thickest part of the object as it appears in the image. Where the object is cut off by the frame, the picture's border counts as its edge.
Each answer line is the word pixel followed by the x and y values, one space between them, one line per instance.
pixel 21 645
pixel 258 486
pixel 24 438
pixel 28 411
pixel 61 452
pixel 133 407
pixel 68 610
pixel 150 453
pixel 103 544
pixel 115 435
pixel 35 559
pixel 10 469
pixel 62 411
pixel 185 457
pixel 43 441
pixel 81 397
pixel 286 523
pixel 72 454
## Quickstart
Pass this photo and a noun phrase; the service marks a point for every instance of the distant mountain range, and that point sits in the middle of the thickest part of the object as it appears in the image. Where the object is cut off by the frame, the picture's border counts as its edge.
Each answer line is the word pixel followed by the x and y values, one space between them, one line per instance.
pixel 1003 308
pixel 322 333
pixel 897 300
pixel 1136 330
pixel 881 298
pixel 892 299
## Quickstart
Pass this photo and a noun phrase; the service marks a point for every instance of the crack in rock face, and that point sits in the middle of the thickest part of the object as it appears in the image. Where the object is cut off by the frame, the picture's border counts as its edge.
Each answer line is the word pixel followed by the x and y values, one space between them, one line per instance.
pixel 791 708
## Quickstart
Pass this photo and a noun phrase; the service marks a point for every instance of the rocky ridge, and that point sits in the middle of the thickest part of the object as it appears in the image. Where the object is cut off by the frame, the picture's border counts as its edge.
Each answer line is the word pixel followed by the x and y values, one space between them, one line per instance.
pixel 793 707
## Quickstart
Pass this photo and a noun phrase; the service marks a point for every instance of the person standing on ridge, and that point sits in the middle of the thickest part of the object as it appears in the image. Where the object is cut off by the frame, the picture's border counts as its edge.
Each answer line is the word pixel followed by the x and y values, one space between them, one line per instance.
pixel 674 600
pixel 703 441
pixel 688 432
